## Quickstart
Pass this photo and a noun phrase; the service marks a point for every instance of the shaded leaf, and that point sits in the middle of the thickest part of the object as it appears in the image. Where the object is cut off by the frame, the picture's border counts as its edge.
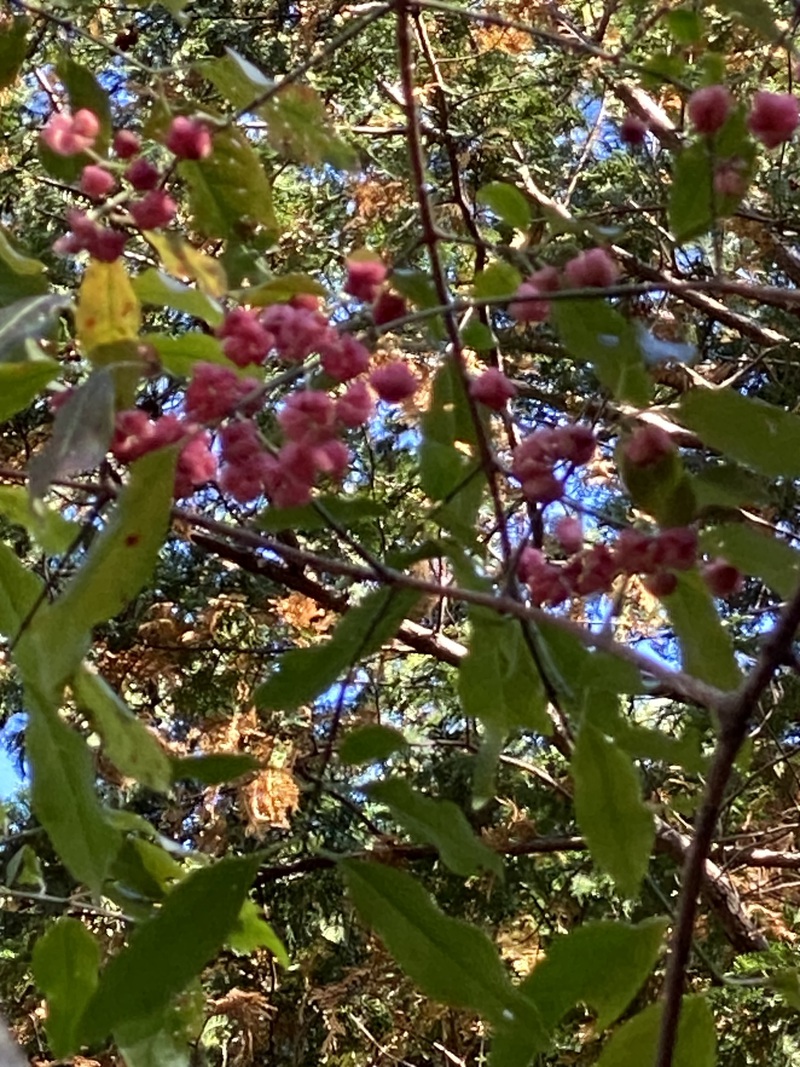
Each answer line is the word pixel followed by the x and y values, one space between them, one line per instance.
pixel 347 511
pixel 306 672
pixel 20 275
pixel 706 647
pixel 499 279
pixel 440 823
pixel 32 317
pixel 213 769
pixel 756 14
pixel 373 743
pixel 20 383
pixel 612 816
pixel 593 332
pixel 755 552
pixel 82 431
pixel 448 959
pixel 168 951
pixel 635 1043
pixel 65 964
pixel 45 525
pixel 692 207
pixel 13 47
pixel 761 435
pixel 298 128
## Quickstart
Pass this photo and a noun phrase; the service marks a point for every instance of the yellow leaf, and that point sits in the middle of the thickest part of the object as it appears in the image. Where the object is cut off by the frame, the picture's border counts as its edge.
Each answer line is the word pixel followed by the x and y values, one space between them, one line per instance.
pixel 184 261
pixel 108 309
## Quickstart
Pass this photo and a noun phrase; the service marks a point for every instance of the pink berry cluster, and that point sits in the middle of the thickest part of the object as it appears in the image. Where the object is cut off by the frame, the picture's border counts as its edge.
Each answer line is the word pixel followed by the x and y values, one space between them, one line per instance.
pixel 772 119
pixel 68 135
pixel 655 558
pixel 535 460
pixel 595 268
pixel 365 278
pixel 312 422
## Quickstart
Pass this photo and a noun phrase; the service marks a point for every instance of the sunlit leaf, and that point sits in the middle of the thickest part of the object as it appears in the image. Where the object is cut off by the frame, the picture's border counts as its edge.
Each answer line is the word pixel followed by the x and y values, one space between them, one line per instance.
pixel 127 742
pixel 236 78
pixel 178 355
pixel 45 525
pixel 167 952
pixel 108 308
pixel 612 816
pixel 251 931
pixel 507 202
pixel 299 129
pixel 184 261
pixel 65 964
pixel 499 279
pixel 279 290
pixel 157 288
pixel 440 823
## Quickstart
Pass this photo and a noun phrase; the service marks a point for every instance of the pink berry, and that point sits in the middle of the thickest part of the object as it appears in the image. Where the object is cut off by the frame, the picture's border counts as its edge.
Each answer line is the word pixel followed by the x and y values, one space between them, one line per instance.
pixel 648 445
pixel 244 339
pixel 577 443
pixel 307 301
pixel 189 138
pixel 344 357
pixel 97 182
pixel 197 465
pixel 363 278
pixel 729 179
pixel 142 175
pixel 598 569
pixel 154 210
pixel 296 331
pixel 355 406
pixel 722 578
pixel 309 417
pixel 633 131
pixel 387 308
pixel 528 305
pixel 215 392
pixel 709 108
pixel 676 548
pixel 774 117
pixel 593 269
pixel 633 552
pixel 569 534
pixel 69 135
pixel 493 389
pixel 126 144
pixel 394 382
pixel 661 583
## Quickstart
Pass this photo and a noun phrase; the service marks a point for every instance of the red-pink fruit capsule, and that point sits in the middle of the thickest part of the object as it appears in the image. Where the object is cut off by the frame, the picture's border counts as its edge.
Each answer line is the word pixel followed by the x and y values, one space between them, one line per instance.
pixel 709 108
pixel 774 117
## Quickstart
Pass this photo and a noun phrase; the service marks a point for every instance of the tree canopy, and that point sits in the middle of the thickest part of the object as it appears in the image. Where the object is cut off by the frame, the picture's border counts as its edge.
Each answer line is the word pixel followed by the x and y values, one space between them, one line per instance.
pixel 399 567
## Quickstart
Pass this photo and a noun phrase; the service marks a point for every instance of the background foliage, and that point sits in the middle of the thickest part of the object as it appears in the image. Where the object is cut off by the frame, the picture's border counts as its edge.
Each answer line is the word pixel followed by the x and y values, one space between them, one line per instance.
pixel 324 784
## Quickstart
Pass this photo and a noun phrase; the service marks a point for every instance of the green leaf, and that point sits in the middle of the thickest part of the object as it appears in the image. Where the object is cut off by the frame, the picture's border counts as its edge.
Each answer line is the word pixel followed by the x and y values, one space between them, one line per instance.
pixel 498 681
pixel 420 291
pixel 306 672
pixel 127 742
pixel 477 335
pixel 159 289
pixel 373 743
pixel 573 668
pixel 47 527
pixel 448 959
pixel 787 984
pixel 761 435
pixel 13 48
pixel 691 209
pixel 663 489
pixel 617 824
pixel 728 485
pixel 235 78
pixel 19 590
pixel 706 648
pixel 20 383
pixel 635 1043
pixel 440 823
pixel 168 951
pixel 756 14
pixel 162 1048
pixel 755 552
pixel 184 261
pixel 279 290
pixel 213 769
pixel 25 868
pixel 65 964
pixel 508 203
pixel 604 712
pixel 345 510
pixel 32 317
pixel 108 309
pixel 499 279
pixel 145 869
pixel 299 130
pixel 118 564
pixel 252 931
pixel 82 431
pixel 229 191
pixel 20 275
pixel 602 964
pixel 63 794
pixel 593 332
pixel 178 355
pixel 685 25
